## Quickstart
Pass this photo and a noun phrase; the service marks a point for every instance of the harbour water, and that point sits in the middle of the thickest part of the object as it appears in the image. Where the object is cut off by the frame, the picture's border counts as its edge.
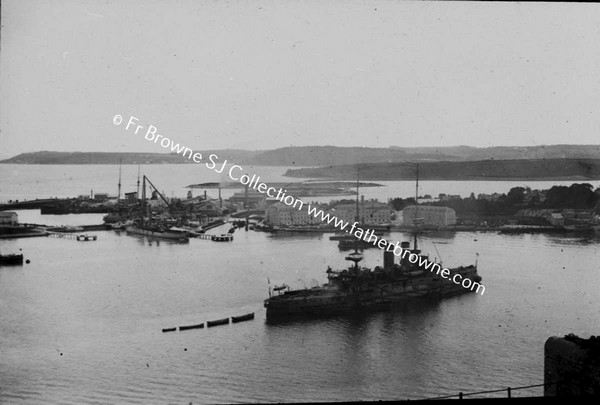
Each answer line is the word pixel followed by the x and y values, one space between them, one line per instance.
pixel 82 322
pixel 45 181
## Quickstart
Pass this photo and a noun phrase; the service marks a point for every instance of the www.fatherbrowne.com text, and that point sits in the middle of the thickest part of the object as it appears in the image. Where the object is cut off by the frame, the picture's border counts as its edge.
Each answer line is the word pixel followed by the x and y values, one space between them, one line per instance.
pixel 236 173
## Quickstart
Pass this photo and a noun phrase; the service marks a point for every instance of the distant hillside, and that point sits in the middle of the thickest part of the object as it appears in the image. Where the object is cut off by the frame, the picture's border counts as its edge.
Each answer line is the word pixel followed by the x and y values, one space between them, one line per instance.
pixel 324 155
pixel 333 155
pixel 508 152
pixel 538 169
pixel 81 158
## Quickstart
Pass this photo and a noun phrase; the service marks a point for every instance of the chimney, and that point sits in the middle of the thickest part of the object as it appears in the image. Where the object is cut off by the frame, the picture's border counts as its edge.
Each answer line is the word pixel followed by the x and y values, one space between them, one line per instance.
pixel 388 259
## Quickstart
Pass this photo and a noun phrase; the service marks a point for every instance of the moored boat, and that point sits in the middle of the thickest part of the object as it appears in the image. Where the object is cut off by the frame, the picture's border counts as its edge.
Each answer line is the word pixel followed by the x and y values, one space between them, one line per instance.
pixel 147 226
pixel 242 318
pixel 348 244
pixel 86 238
pixel 11 259
pixel 222 238
pixel 197 326
pixel 156 232
pixel 216 322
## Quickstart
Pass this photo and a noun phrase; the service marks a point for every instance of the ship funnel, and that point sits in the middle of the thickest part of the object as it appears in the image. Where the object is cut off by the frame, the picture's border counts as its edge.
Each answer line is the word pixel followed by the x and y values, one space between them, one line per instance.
pixel 405 246
pixel 388 259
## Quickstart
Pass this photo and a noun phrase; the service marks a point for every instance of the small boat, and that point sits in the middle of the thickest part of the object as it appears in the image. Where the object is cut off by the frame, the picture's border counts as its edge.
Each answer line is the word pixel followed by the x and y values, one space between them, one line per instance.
pixel 345 236
pixel 242 318
pixel 198 326
pixel 348 244
pixel 11 259
pixel 169 330
pixel 86 238
pixel 222 238
pixel 223 321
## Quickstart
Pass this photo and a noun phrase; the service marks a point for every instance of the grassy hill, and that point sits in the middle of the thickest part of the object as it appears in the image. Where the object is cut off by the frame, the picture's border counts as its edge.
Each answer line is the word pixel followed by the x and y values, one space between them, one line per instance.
pixel 538 169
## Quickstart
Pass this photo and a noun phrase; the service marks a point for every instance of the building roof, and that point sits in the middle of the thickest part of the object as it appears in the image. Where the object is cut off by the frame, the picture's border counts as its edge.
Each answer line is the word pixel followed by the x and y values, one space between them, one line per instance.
pixel 429 208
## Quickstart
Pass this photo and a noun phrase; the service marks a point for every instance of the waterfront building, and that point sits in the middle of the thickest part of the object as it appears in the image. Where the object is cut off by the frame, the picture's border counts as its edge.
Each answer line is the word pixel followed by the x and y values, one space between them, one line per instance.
pixel 448 197
pixel 9 218
pixel 489 197
pixel 203 207
pixel 255 199
pixel 556 219
pixel 209 208
pixel 280 214
pixel 370 212
pixel 432 216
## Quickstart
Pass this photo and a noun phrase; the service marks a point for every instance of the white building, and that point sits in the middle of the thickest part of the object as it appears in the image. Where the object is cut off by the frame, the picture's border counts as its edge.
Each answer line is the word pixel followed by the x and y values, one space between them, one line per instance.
pixel 434 216
pixel 280 214
pixel 370 212
pixel 9 218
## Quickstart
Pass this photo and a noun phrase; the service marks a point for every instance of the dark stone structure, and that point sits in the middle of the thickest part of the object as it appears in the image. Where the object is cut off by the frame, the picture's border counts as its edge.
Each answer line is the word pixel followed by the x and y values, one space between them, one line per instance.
pixel 572 366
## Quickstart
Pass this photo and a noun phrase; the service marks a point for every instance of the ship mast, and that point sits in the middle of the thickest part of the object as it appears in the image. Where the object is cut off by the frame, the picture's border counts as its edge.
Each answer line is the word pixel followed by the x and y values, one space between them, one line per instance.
pixel 143 209
pixel 416 222
pixel 355 256
pixel 357 210
pixel 138 183
pixel 119 192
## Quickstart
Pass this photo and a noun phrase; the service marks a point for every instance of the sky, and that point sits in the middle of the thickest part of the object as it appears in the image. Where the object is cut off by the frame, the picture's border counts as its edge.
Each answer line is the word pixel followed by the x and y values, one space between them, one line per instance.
pixel 267 74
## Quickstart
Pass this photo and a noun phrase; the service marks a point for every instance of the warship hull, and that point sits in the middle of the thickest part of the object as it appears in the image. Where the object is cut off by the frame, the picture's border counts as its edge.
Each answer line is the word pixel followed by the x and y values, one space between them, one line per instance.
pixel 371 291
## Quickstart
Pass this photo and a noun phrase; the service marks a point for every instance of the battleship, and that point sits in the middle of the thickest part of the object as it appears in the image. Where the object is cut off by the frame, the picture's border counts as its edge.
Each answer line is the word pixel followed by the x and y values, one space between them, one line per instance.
pixel 358 289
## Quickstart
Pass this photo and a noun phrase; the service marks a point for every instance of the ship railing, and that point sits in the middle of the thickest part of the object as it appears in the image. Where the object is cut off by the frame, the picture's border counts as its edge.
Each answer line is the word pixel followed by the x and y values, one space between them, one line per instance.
pixel 508 390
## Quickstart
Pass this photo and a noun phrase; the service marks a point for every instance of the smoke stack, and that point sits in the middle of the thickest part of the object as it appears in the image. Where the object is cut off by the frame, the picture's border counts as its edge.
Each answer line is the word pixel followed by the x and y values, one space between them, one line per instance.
pixel 388 259
pixel 404 246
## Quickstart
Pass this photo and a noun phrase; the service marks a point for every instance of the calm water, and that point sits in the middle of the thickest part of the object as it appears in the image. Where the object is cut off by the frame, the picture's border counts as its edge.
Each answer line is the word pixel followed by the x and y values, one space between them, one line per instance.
pixel 82 322
pixel 44 181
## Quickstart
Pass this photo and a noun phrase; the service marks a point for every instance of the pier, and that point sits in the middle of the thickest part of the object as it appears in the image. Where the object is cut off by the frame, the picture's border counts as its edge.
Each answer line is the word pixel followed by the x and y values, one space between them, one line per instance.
pixel 216 238
pixel 73 236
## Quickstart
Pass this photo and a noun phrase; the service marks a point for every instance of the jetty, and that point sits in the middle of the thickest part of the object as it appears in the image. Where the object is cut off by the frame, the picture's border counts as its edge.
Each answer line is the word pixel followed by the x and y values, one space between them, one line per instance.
pixel 73 236
pixel 216 238
pixel 7 232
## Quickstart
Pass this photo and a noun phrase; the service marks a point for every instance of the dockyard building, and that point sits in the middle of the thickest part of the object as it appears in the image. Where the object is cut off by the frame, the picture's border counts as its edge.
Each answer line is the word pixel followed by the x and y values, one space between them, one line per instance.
pixel 431 216
pixel 370 212
pixel 254 200
pixel 280 214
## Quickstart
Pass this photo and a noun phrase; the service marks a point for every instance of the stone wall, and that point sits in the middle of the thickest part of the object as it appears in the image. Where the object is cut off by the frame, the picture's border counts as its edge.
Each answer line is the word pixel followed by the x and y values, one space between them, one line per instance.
pixel 573 364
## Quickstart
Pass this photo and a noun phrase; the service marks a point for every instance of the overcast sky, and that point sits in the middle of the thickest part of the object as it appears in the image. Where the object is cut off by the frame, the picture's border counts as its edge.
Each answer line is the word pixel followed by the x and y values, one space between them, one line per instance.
pixel 267 74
